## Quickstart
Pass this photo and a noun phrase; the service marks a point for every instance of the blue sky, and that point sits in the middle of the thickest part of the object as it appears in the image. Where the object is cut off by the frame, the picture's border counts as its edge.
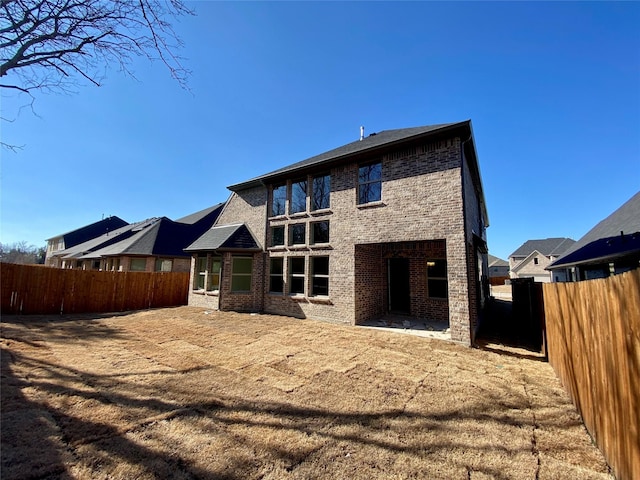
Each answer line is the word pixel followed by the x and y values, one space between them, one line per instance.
pixel 552 89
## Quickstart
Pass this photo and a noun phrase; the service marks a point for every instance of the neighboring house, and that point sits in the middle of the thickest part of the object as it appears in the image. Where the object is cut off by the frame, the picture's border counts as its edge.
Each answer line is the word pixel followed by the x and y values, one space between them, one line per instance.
pixel 155 244
pixel 498 270
pixel 534 256
pixel 75 237
pixel 393 223
pixel 609 248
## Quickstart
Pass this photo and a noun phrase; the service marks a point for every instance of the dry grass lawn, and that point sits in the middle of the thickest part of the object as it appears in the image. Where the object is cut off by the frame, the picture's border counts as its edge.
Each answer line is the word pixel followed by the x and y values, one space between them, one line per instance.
pixel 184 393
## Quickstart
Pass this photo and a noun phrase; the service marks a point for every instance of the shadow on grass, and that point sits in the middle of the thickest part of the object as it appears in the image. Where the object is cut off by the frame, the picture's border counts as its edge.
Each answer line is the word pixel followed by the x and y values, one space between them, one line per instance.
pixel 393 431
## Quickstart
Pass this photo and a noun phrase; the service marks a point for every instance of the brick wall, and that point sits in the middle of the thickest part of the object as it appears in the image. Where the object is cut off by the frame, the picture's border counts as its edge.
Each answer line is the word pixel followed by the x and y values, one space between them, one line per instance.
pixel 422 201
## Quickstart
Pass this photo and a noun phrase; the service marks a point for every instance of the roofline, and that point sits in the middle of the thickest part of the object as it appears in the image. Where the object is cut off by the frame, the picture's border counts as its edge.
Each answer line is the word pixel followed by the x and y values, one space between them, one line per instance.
pixel 589 261
pixel 464 126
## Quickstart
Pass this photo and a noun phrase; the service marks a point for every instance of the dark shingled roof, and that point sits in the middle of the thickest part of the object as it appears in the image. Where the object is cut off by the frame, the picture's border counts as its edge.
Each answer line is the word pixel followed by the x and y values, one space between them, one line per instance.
pixel 160 236
pixel 371 143
pixel 546 246
pixel 103 241
pixel 497 262
pixel 605 240
pixel 213 211
pixel 225 237
pixel 83 234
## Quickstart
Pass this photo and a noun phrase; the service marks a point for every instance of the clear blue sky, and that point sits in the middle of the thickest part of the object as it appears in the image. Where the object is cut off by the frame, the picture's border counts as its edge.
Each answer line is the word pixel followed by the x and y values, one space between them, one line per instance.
pixel 552 89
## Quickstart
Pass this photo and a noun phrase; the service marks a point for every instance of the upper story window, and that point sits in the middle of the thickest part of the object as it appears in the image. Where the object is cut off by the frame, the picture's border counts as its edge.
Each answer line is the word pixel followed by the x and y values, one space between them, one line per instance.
pixel 278 200
pixel 298 201
pixel 370 183
pixel 320 232
pixel 277 236
pixel 320 192
pixel 297 234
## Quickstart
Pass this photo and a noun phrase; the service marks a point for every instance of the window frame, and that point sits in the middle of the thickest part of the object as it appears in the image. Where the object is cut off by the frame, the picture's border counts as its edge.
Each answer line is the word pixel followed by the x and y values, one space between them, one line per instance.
pixel 313 275
pixel 238 275
pixel 280 188
pixel 297 204
pixel 437 278
pixel 277 275
pixel 312 233
pixel 292 228
pixel 284 236
pixel 368 183
pixel 291 275
pixel 137 260
pixel 326 185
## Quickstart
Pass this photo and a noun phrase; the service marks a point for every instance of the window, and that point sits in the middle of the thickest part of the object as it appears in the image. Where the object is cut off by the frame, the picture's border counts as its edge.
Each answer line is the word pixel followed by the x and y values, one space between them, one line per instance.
pixel 207 273
pixel 276 275
pixel 163 265
pixel 298 197
pixel 138 264
pixel 277 236
pixel 297 234
pixel 535 261
pixel 213 274
pixel 241 270
pixel 370 183
pixel 320 192
pixel 296 275
pixel 319 275
pixel 278 200
pixel 320 232
pixel 437 278
pixel 201 272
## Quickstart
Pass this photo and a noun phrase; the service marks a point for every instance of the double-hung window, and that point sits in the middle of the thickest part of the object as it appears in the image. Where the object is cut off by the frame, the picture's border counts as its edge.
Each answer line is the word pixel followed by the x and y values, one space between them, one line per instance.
pixel 241 270
pixel 320 276
pixel 276 275
pixel 296 275
pixel 320 192
pixel 370 183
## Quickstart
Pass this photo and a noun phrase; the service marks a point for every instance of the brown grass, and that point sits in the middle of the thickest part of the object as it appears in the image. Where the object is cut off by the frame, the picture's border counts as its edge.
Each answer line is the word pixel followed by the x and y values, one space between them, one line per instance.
pixel 186 393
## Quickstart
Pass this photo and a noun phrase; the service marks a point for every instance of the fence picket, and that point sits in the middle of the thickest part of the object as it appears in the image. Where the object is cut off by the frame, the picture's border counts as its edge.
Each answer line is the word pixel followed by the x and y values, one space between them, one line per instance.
pixel 593 338
pixel 35 289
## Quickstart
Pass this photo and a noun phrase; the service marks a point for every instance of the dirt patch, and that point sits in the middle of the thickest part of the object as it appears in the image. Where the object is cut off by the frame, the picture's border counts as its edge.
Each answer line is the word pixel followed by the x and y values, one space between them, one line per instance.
pixel 189 393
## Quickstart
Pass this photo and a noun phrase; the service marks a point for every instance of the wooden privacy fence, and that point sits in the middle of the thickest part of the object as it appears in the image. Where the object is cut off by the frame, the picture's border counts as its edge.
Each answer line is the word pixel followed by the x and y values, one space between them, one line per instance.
pixel 593 342
pixel 33 289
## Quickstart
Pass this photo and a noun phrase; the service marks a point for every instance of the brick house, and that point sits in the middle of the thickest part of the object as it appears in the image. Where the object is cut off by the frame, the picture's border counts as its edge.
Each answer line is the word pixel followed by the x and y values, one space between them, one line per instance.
pixel 392 223
pixel 154 244
pixel 532 258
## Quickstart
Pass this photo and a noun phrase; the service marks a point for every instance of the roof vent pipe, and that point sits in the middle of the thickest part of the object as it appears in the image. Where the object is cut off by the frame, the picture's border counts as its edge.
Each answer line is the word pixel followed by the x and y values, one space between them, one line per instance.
pixel 361 133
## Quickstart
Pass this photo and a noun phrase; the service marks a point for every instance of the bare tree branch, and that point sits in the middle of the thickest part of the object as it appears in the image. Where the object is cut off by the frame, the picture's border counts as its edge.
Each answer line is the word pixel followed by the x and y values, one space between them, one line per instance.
pixel 43 41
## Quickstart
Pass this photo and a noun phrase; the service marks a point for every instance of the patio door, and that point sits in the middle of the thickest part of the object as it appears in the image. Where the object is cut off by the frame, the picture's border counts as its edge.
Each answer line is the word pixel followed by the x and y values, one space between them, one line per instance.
pixel 398 281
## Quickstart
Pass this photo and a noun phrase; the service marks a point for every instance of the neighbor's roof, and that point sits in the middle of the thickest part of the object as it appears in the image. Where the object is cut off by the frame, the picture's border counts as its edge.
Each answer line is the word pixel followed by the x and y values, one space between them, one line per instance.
pixel 497 262
pixel 90 231
pixel 225 237
pixel 616 235
pixel 371 143
pixel 197 216
pixel 546 246
pixel 102 241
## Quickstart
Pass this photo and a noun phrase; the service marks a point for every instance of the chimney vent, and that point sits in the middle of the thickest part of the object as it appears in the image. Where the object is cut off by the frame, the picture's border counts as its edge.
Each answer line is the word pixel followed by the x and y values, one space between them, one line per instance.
pixel 361 133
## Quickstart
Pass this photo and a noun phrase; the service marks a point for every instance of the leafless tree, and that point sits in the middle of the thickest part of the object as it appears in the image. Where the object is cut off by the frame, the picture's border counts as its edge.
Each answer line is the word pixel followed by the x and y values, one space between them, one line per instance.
pixel 51 45
pixel 43 43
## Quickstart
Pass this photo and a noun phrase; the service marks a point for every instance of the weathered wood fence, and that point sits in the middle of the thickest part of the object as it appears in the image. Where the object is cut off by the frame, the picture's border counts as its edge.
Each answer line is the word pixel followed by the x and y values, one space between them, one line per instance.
pixel 34 289
pixel 593 343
